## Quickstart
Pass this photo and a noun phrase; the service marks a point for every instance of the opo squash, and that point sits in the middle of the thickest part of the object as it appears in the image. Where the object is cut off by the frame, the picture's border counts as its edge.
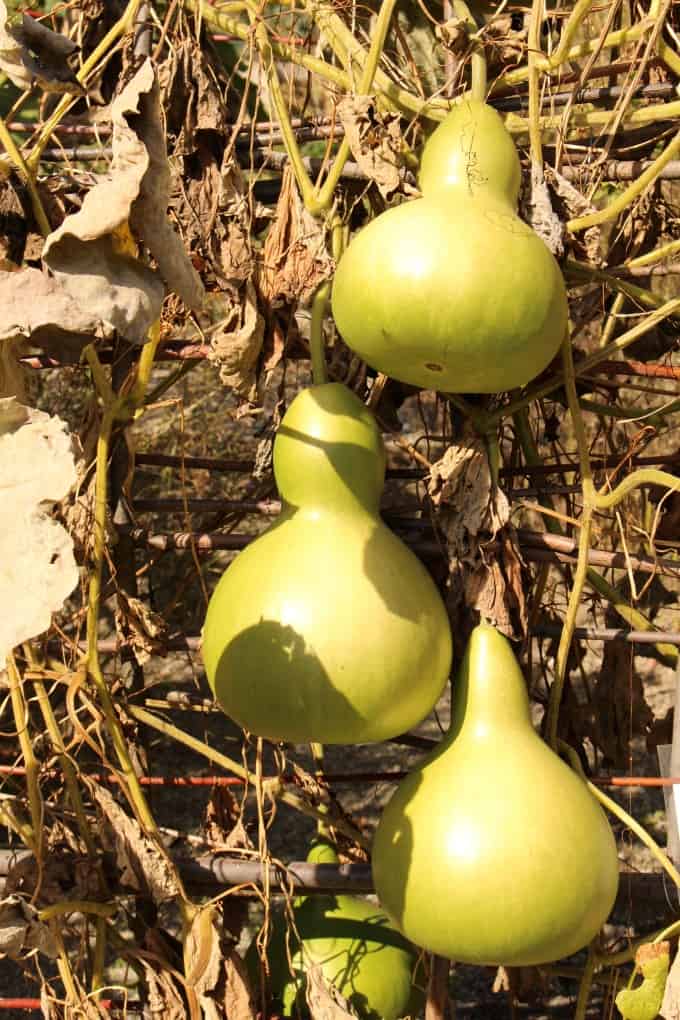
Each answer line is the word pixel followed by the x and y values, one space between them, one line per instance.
pixel 494 851
pixel 453 291
pixel 358 949
pixel 327 628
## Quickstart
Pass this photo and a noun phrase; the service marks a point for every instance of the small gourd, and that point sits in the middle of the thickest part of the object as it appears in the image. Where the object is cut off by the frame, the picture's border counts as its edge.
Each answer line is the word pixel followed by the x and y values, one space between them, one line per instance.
pixel 327 628
pixel 453 291
pixel 356 946
pixel 494 851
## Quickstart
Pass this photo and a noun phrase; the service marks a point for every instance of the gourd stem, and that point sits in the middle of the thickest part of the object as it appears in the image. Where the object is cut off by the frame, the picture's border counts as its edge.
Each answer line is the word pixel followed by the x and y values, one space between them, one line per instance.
pixel 316 344
pixel 585 985
pixel 478 72
pixel 534 51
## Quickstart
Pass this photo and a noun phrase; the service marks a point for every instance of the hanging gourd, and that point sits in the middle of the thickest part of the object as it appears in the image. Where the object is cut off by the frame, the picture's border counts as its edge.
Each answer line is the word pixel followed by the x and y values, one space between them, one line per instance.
pixel 453 291
pixel 327 628
pixel 357 948
pixel 494 851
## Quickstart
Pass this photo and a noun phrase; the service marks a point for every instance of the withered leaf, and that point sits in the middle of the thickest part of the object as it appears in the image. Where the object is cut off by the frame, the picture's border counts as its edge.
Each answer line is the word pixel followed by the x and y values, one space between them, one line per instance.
pixel 35 306
pixel 324 1000
pixel 541 215
pixel 36 467
pixel 375 140
pixel 237 341
pixel 164 999
pixel 238 996
pixel 218 976
pixel 144 631
pixel 143 865
pixel 32 54
pixel 574 204
pixel 21 930
pixel 295 259
pixel 82 253
pixel 484 560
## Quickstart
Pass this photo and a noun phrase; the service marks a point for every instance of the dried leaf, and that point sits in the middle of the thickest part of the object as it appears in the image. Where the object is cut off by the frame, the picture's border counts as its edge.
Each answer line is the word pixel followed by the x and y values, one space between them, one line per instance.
pixel 453 35
pixel 375 140
pixel 541 215
pixel 670 1007
pixel 484 559
pixel 236 344
pixel 82 252
pixel 142 630
pixel 238 997
pixel 143 865
pixel 36 466
pixel 164 1001
pixel 35 306
pixel 190 96
pixel 574 204
pixel 644 1002
pixel 295 260
pixel 324 1000
pixel 21 930
pixel 218 975
pixel 31 54
pixel 12 375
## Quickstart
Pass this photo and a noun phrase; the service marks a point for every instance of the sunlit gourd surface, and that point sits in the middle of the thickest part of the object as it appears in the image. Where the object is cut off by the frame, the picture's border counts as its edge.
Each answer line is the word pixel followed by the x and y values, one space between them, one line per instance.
pixel 494 851
pixel 453 291
pixel 356 946
pixel 327 628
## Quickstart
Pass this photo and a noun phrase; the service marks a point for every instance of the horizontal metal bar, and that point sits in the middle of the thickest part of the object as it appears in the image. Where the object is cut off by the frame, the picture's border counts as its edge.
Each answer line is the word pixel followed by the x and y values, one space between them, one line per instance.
pixel 641 637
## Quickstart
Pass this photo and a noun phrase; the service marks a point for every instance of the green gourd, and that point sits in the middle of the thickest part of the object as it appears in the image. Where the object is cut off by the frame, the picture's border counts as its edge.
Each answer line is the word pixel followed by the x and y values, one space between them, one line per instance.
pixel 358 949
pixel 453 291
pixel 494 851
pixel 327 628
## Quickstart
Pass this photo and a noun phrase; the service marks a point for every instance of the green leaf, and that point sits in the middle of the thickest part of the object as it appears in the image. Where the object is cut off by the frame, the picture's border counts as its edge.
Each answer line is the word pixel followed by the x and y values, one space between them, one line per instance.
pixel 644 1002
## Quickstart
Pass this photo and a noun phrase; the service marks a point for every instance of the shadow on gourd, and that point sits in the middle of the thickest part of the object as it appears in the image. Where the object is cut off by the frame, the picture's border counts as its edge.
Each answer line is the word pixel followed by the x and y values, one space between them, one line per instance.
pixel 353 943
pixel 327 628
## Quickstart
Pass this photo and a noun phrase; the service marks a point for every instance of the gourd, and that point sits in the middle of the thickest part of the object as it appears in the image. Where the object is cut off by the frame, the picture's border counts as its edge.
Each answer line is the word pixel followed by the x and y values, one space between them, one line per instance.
pixel 358 949
pixel 327 628
pixel 494 851
pixel 452 291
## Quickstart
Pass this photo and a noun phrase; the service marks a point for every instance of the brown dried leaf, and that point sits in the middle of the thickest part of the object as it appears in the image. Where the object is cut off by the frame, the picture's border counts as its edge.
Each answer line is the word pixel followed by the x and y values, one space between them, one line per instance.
pixel 31 54
pixel 375 140
pixel 238 997
pixel 295 259
pixel 21 930
pixel 218 976
pixel 143 865
pixel 236 344
pixel 36 467
pixel 541 215
pixel 82 253
pixel 484 560
pixel 574 205
pixel 190 96
pixel 453 35
pixel 324 1000
pixel 35 306
pixel 164 999
pixel 142 630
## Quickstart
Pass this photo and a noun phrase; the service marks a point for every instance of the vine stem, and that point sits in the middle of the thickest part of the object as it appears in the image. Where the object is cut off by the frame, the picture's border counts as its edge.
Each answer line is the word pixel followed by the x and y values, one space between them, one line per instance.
pixel 478 69
pixel 666 310
pixel 17 158
pixel 627 197
pixel 273 788
pixel 585 985
pixel 566 637
pixel 123 25
pixel 534 44
pixel 316 344
pixel 35 801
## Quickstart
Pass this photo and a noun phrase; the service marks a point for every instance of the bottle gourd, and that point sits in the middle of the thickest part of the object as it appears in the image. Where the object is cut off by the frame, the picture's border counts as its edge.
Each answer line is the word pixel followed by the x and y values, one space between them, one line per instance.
pixel 327 628
pixel 453 291
pixel 494 851
pixel 356 946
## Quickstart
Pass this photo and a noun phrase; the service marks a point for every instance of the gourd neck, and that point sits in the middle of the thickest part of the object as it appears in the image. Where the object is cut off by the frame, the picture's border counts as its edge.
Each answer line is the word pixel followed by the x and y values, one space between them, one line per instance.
pixel 490 693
